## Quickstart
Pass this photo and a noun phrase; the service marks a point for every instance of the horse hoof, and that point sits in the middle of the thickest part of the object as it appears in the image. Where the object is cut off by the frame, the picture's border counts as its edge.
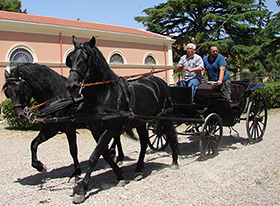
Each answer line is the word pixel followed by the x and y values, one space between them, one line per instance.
pixel 175 167
pixel 121 183
pixel 78 199
pixel 77 179
pixel 138 176
pixel 119 163
pixel 44 170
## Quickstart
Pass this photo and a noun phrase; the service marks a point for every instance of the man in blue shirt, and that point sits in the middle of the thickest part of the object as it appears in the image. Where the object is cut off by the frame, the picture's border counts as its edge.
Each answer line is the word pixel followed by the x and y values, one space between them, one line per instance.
pixel 215 65
pixel 192 65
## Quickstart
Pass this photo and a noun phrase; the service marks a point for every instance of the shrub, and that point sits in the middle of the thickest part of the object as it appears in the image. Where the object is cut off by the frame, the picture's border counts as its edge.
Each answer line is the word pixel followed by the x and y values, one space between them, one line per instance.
pixel 271 93
pixel 9 115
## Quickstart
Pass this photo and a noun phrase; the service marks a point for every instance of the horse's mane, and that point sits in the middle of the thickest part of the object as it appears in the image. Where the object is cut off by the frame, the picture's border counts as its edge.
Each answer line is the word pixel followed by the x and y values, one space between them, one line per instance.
pixel 102 70
pixel 42 78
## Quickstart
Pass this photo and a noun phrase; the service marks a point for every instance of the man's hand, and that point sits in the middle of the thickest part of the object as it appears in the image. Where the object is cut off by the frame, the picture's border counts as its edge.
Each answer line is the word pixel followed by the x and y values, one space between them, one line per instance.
pixel 187 69
pixel 180 66
pixel 219 82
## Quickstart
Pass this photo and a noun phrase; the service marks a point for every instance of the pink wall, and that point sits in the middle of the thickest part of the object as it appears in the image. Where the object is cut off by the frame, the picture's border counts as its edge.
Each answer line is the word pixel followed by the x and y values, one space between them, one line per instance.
pixel 47 50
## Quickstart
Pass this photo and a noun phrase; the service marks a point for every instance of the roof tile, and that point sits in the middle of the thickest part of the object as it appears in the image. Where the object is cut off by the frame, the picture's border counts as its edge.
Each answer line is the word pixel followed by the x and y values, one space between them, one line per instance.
pixel 74 23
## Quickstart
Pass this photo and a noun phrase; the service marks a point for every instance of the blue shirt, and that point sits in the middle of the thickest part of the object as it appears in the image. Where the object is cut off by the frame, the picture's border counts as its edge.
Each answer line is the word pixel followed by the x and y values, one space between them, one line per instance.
pixel 193 62
pixel 213 67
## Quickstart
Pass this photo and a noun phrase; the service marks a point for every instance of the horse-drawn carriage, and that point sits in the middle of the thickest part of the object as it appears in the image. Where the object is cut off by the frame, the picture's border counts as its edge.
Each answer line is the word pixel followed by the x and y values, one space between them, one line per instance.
pixel 115 105
pixel 211 112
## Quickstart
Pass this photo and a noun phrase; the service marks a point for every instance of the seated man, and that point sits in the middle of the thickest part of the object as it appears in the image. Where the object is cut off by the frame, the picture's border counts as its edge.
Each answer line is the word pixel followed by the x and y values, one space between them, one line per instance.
pixel 215 65
pixel 192 65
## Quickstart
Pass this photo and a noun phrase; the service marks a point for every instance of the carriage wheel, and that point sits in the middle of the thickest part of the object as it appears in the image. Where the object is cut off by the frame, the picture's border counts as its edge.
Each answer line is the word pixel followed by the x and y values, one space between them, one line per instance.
pixel 157 137
pixel 211 136
pixel 256 118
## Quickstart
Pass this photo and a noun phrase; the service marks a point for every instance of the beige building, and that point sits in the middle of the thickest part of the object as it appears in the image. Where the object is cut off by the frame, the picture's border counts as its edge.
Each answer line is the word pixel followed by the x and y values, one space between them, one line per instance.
pixel 48 40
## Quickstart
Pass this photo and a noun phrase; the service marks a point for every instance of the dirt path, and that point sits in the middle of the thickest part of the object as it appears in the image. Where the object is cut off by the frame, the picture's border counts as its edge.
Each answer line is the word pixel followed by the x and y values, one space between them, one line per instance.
pixel 239 175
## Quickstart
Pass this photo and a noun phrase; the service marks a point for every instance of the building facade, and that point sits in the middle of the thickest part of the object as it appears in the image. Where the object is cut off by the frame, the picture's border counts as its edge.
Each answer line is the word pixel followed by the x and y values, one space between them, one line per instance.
pixel 48 41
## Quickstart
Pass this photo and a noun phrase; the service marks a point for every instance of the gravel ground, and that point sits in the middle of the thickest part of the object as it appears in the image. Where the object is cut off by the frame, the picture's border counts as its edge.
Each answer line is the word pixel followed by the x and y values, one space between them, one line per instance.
pixel 239 175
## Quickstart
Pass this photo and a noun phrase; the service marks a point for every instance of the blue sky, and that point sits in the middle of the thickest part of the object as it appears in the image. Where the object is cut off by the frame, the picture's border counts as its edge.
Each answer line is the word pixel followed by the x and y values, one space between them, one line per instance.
pixel 121 12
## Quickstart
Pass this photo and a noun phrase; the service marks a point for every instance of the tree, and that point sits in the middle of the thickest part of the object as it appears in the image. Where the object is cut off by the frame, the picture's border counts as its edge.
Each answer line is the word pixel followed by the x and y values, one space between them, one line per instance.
pixel 196 20
pixel 270 44
pixel 11 5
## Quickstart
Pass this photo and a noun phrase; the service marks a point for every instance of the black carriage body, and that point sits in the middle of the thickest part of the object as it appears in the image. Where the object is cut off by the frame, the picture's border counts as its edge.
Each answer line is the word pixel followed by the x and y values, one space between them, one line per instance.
pixel 208 99
pixel 209 112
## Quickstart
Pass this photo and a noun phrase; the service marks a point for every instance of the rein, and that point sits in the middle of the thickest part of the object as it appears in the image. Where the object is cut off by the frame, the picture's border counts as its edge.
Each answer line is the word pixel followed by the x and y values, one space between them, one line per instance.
pixel 126 77
pixel 233 11
pixel 50 100
pixel 27 110
pixel 31 116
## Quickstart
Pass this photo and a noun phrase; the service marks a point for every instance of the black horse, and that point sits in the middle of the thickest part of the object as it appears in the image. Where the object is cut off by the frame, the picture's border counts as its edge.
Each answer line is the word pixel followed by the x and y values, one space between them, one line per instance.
pixel 124 103
pixel 42 83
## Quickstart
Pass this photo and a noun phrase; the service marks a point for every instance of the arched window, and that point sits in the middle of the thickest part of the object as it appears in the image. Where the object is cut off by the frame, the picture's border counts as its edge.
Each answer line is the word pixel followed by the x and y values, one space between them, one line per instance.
pixel 150 60
pixel 116 59
pixel 66 54
pixel 19 56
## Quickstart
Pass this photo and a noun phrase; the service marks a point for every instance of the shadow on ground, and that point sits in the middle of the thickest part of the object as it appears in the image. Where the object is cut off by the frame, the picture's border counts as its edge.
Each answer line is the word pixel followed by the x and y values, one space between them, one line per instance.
pixel 102 181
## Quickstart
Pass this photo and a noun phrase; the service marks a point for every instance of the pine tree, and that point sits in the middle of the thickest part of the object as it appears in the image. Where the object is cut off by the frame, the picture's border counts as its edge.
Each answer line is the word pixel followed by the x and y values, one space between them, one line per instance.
pixel 11 5
pixel 270 47
pixel 196 20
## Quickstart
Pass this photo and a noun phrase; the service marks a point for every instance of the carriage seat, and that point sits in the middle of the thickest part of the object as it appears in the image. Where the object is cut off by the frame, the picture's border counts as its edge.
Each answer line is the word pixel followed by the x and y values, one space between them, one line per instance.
pixel 205 92
pixel 237 90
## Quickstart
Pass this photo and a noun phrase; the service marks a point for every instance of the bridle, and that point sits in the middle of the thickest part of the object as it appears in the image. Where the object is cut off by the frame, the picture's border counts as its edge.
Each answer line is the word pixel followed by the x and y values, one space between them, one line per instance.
pixel 81 74
pixel 20 82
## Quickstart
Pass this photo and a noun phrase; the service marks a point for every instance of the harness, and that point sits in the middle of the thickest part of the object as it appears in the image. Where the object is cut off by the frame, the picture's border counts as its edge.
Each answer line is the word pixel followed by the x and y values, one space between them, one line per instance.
pixel 125 87
pixel 61 104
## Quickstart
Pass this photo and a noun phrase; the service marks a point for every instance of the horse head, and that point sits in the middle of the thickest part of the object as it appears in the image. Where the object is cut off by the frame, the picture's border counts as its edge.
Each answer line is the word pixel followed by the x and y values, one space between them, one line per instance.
pixel 80 62
pixel 18 90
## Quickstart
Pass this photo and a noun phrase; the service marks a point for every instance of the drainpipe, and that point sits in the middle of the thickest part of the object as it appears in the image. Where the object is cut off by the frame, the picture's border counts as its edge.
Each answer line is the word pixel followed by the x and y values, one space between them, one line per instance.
pixel 61 59
pixel 165 63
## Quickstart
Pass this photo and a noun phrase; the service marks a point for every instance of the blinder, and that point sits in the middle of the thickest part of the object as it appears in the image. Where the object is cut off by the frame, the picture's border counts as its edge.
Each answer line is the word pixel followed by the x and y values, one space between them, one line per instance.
pixel 6 94
pixel 20 83
pixel 69 63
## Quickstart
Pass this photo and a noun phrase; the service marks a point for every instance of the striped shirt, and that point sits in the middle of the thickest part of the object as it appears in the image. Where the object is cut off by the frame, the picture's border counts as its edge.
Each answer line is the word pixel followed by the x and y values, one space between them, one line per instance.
pixel 193 62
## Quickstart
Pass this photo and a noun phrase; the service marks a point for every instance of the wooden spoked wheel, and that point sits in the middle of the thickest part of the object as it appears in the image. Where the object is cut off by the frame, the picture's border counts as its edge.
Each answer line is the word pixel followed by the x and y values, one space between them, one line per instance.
pixel 256 118
pixel 211 136
pixel 157 136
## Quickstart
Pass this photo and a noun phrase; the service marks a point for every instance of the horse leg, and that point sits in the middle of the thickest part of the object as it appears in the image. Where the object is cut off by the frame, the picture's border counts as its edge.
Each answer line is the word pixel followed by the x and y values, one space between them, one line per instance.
pixel 70 131
pixel 117 142
pixel 173 141
pixel 101 148
pixel 44 134
pixel 120 151
pixel 114 166
pixel 112 149
pixel 143 134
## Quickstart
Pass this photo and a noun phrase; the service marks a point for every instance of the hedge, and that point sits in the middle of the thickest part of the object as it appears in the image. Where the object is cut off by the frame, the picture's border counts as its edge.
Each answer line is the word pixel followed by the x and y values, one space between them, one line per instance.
pixel 9 115
pixel 271 93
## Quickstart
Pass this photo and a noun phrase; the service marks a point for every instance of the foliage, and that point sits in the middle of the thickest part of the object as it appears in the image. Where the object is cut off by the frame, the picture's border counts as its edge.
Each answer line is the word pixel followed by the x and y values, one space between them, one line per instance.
pixel 195 21
pixel 9 115
pixel 269 49
pixel 245 39
pixel 11 5
pixel 271 93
